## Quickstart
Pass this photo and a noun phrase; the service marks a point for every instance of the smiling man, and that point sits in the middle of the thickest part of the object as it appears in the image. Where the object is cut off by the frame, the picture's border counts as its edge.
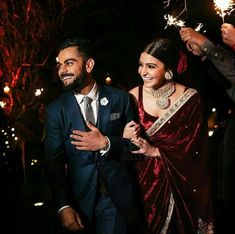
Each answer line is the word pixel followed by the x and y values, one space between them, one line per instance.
pixel 84 166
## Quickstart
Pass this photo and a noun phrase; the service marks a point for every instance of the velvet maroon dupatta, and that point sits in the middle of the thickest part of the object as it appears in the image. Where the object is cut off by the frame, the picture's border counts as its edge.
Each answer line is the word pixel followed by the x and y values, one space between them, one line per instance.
pixel 177 185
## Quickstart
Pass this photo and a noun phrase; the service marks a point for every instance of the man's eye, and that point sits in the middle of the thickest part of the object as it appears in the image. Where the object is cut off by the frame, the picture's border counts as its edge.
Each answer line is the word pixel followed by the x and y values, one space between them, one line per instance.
pixel 69 63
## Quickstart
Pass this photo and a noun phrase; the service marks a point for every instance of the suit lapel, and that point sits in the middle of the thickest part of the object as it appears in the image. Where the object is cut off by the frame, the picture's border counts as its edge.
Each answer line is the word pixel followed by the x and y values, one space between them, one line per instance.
pixel 104 108
pixel 73 112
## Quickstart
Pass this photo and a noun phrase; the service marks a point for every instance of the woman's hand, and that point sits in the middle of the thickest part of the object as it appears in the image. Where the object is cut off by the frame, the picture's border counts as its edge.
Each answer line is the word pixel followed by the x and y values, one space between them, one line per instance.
pixel 145 148
pixel 132 130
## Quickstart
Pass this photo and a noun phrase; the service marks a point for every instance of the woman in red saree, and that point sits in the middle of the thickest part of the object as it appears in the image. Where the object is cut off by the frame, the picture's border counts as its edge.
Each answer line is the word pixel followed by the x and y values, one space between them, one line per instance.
pixel 175 175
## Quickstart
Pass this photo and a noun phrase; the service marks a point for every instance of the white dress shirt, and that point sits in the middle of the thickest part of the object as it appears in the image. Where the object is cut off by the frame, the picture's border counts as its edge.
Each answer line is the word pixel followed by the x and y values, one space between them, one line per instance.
pixel 93 94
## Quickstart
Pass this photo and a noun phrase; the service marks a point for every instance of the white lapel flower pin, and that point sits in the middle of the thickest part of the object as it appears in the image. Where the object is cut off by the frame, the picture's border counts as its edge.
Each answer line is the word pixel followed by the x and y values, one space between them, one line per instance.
pixel 104 101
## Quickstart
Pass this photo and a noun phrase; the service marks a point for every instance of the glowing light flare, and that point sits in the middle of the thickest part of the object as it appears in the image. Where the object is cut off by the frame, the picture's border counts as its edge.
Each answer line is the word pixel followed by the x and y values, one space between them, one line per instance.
pixel 2 104
pixel 6 89
pixel 223 7
pixel 210 133
pixel 38 204
pixel 213 109
pixel 108 79
pixel 34 162
pixel 38 92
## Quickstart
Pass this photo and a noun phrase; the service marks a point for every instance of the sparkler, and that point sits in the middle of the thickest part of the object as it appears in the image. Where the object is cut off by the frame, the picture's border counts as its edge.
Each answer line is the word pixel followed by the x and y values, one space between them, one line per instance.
pixel 223 7
pixel 174 20
pixel 170 20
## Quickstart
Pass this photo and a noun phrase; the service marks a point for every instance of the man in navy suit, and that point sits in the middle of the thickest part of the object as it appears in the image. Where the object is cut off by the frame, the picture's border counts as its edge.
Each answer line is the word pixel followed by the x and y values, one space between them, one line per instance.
pixel 90 180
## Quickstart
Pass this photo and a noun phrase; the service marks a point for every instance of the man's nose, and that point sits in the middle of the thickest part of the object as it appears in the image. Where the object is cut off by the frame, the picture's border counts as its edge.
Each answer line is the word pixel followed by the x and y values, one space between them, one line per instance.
pixel 63 68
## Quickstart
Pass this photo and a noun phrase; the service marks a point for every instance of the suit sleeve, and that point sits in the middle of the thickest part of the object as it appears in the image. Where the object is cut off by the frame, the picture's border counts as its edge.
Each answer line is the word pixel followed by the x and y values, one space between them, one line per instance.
pixel 223 60
pixel 120 145
pixel 55 161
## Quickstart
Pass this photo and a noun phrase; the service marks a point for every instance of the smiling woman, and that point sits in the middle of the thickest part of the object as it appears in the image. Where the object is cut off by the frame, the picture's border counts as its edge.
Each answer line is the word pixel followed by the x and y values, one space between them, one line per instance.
pixel 174 176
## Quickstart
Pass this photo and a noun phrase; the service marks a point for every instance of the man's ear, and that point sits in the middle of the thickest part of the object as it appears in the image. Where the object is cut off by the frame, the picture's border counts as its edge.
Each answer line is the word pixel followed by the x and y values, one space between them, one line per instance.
pixel 90 63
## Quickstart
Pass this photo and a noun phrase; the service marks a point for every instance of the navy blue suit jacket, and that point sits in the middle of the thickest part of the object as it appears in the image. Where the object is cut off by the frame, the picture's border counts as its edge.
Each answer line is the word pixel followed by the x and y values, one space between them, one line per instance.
pixel 77 171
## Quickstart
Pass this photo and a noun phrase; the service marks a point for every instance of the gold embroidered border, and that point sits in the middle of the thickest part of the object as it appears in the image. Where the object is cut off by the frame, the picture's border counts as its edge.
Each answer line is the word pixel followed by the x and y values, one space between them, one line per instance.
pixel 169 214
pixel 175 107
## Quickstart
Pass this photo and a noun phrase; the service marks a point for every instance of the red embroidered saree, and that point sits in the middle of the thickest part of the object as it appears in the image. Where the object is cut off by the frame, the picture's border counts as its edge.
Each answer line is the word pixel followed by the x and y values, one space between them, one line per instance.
pixel 176 187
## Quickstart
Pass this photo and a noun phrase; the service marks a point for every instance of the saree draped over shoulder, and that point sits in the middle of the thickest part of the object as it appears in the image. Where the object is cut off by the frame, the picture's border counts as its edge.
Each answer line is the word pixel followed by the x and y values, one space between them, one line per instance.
pixel 176 187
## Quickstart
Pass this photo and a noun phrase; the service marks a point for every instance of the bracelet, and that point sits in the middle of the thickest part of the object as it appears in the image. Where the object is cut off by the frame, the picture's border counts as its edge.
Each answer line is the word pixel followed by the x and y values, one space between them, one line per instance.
pixel 106 146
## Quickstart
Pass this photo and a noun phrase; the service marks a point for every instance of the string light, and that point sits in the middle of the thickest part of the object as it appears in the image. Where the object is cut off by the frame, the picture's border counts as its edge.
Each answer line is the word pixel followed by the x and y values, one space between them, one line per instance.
pixel 2 104
pixel 38 92
pixel 108 80
pixel 6 89
pixel 8 135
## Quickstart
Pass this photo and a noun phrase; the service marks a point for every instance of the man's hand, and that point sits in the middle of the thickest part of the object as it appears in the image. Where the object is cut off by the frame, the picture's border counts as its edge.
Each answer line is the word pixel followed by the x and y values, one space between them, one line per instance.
pixel 93 140
pixel 70 219
pixel 194 40
pixel 228 34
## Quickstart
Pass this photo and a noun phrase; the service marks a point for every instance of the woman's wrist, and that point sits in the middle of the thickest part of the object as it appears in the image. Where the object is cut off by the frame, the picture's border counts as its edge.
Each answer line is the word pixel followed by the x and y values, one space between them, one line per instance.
pixel 155 153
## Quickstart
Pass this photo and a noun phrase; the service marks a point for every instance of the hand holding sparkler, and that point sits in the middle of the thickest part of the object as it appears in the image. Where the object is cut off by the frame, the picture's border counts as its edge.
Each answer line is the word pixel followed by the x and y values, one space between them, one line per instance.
pixel 228 34
pixel 194 40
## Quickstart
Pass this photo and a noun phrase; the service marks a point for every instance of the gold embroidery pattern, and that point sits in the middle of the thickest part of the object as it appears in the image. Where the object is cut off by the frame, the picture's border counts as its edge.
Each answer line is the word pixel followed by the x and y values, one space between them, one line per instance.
pixel 169 214
pixel 176 106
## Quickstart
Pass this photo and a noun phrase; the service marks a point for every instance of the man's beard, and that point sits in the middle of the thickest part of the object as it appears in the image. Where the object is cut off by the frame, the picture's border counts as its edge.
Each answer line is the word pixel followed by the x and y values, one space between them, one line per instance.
pixel 78 83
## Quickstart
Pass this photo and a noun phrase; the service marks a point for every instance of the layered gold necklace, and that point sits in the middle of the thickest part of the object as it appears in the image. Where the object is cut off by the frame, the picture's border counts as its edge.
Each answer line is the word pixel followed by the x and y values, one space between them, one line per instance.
pixel 162 95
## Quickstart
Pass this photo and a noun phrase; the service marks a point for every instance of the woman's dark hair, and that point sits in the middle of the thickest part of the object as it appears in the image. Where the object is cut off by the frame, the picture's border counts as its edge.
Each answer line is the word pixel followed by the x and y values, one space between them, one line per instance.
pixel 84 46
pixel 163 49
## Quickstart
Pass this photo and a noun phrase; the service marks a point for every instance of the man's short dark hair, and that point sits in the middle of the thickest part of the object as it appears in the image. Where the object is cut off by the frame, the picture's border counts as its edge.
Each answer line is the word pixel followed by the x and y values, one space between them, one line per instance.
pixel 83 44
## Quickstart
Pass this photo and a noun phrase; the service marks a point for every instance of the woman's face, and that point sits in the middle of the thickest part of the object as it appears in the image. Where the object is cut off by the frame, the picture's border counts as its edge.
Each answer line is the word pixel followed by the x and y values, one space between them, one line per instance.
pixel 151 70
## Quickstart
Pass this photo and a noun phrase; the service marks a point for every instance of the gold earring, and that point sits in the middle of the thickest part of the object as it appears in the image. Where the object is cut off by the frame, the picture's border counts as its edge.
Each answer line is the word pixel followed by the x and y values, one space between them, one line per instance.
pixel 169 75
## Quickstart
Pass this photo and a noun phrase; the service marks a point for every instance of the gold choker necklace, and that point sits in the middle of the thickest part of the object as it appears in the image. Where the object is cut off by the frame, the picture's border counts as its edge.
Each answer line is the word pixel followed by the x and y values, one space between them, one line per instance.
pixel 163 94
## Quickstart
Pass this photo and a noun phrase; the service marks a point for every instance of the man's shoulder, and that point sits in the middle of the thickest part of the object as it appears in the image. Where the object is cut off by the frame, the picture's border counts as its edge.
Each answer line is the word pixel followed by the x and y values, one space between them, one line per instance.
pixel 60 100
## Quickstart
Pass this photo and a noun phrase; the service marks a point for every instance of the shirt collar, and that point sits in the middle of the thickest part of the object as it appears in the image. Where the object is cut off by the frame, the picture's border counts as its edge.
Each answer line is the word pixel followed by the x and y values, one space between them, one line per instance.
pixel 93 94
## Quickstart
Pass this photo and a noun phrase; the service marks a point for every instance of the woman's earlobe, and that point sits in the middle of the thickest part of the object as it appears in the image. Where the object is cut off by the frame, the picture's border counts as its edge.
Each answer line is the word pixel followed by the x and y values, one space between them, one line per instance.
pixel 169 75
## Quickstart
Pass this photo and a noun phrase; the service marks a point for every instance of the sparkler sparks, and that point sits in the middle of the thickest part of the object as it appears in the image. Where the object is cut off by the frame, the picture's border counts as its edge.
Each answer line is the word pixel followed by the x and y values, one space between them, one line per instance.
pixel 170 20
pixel 223 7
pixel 174 20
pixel 199 26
